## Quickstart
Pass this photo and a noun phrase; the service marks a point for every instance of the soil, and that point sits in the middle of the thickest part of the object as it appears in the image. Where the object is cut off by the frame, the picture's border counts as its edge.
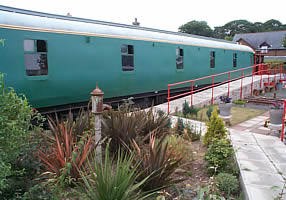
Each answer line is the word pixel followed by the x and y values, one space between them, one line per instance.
pixel 194 174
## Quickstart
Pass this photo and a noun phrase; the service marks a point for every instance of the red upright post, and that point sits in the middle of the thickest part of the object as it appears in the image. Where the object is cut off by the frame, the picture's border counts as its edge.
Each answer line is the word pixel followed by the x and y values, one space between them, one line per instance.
pixel 212 101
pixel 241 84
pixel 268 66
pixel 280 72
pixel 260 71
pixel 275 71
pixel 168 99
pixel 228 84
pixel 252 84
pixel 283 121
pixel 192 90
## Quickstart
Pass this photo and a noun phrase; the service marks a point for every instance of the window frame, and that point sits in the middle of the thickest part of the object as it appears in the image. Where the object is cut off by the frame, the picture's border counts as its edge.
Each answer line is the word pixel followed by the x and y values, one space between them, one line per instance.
pixel 179 56
pixel 212 59
pixel 43 72
pixel 234 60
pixel 127 68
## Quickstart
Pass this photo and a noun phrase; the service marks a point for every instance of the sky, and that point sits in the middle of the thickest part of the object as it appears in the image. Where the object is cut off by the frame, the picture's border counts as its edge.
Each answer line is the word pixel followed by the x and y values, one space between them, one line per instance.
pixel 160 14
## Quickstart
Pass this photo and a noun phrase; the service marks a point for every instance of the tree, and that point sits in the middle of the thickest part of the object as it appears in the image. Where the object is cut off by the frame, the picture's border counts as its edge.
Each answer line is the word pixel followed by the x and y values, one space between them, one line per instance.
pixel 284 41
pixel 196 28
pixel 272 25
pixel 234 27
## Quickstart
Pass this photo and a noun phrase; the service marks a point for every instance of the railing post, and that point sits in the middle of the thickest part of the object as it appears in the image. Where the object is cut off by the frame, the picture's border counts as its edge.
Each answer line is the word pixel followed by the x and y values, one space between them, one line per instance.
pixel 275 71
pixel 268 66
pixel 192 90
pixel 261 72
pixel 228 84
pixel 212 100
pixel 281 71
pixel 252 84
pixel 241 84
pixel 168 99
pixel 283 122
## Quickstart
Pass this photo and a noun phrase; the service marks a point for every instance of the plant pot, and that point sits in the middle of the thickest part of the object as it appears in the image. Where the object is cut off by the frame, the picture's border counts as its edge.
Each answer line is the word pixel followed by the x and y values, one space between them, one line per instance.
pixel 272 83
pixel 276 116
pixel 280 81
pixel 224 109
pixel 266 84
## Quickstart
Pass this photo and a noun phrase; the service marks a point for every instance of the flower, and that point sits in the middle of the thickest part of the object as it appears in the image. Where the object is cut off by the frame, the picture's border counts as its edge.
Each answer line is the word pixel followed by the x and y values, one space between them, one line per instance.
pixel 277 106
pixel 225 99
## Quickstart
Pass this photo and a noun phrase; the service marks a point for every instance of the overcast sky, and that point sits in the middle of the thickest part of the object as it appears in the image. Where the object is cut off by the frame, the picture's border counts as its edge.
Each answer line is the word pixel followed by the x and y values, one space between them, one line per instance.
pixel 160 14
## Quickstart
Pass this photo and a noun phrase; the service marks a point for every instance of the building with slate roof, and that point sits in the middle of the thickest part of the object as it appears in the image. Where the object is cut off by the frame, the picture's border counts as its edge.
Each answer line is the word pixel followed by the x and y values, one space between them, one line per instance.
pixel 268 43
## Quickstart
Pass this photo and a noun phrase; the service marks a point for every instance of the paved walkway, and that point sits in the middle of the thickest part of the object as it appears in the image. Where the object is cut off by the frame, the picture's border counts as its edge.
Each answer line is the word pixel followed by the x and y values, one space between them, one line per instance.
pixel 261 159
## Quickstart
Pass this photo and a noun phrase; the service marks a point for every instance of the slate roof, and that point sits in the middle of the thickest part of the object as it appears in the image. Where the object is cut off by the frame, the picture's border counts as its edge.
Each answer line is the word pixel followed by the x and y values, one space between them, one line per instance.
pixel 274 39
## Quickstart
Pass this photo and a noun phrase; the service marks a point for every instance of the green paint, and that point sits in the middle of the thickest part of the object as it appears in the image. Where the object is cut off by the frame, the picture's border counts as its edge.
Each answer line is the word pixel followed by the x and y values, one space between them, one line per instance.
pixel 75 67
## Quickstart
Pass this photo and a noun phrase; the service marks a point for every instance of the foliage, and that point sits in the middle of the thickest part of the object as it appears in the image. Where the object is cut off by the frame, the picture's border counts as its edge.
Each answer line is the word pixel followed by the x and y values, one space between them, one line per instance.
pixel 123 126
pixel 227 183
pixel 186 108
pixel 180 127
pixel 243 26
pixel 105 181
pixel 192 133
pixel 225 99
pixel 284 41
pixel 209 112
pixel 277 106
pixel 219 154
pixel 196 28
pixel 17 142
pixel 157 164
pixel 215 129
pixel 179 148
pixel 70 145
pixel 239 102
pixel 210 191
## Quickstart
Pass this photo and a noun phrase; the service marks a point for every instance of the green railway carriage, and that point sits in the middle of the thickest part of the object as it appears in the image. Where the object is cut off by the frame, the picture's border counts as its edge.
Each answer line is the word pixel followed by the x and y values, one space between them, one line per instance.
pixel 57 60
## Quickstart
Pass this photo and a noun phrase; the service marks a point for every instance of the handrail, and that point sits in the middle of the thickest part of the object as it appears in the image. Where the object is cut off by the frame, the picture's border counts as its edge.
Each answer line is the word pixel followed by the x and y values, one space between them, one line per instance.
pixel 261 71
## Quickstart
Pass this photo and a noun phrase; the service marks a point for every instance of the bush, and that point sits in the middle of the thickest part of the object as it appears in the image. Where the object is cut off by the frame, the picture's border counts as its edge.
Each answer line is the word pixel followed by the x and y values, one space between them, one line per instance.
pixel 227 183
pixel 209 112
pixel 17 141
pixel 219 154
pixel 216 129
pixel 157 164
pixel 180 126
pixel 239 102
pixel 105 181
pixel 70 145
pixel 179 148
pixel 186 108
pixel 192 133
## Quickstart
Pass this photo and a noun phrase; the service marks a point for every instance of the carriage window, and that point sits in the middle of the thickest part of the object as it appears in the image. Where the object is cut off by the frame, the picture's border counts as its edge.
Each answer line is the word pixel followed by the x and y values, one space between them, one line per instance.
pixel 127 56
pixel 234 60
pixel 212 59
pixel 35 53
pixel 179 58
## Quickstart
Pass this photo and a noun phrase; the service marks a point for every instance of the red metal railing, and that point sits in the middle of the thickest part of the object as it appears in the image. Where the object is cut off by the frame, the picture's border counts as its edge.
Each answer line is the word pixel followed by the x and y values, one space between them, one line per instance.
pixel 283 122
pixel 259 69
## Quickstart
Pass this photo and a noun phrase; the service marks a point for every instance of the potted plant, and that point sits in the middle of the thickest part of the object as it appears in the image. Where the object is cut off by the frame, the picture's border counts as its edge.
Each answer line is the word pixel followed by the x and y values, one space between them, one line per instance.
pixel 225 106
pixel 276 113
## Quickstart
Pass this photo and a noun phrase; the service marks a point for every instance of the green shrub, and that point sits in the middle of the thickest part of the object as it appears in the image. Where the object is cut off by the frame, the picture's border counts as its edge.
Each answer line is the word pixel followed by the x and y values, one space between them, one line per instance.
pixel 186 108
pixel 194 111
pixel 219 154
pixel 108 180
pixel 180 126
pixel 227 183
pixel 209 112
pixel 215 129
pixel 17 141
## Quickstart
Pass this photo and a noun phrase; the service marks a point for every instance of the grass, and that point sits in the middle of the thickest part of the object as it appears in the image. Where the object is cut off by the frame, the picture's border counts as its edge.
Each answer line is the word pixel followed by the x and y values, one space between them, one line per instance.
pixel 238 114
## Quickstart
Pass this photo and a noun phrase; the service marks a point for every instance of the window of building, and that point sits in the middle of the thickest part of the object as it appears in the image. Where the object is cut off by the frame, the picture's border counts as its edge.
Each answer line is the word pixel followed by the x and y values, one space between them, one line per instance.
pixel 127 56
pixel 212 59
pixel 36 61
pixel 234 60
pixel 179 58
